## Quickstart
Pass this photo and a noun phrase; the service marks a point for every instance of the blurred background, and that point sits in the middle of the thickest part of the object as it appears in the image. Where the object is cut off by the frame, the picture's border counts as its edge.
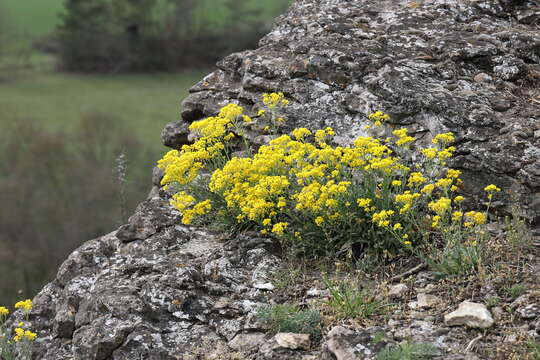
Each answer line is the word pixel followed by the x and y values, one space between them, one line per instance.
pixel 86 87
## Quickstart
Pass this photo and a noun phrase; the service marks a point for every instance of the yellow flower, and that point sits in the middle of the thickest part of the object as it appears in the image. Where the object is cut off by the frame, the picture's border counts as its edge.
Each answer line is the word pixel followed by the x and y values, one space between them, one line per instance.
pixel 30 335
pixel 440 206
pixel 459 198
pixel 492 188
pixel 406 242
pixel 443 139
pixel 363 202
pixel 436 220
pixel 319 220
pixel 301 133
pixel 396 183
pixel 457 215
pixel 266 222
pixel 398 226
pixel 231 111
pixel 261 112
pixel 279 228
pixel 428 189
pixel 26 305
pixel 247 119
pixel 453 173
pixel 476 217
pixel 430 153
pixel 4 311
pixel 416 178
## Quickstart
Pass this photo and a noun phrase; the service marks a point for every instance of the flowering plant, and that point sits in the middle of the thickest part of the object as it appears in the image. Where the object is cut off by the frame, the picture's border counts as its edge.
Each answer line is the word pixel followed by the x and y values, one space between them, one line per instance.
pixel 319 198
pixel 22 337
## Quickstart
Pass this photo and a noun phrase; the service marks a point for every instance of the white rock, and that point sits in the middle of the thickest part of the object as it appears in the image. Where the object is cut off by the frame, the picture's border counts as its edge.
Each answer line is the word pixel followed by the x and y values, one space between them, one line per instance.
pixel 398 291
pixel 264 286
pixel 293 341
pixel 470 314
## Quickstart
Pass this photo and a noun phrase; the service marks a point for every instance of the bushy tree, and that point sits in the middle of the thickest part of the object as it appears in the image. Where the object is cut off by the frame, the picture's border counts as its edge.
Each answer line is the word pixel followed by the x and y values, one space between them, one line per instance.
pixel 108 36
pixel 142 35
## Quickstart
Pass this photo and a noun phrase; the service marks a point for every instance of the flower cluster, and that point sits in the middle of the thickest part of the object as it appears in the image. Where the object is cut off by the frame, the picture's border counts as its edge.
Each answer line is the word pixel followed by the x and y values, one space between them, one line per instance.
pixel 318 196
pixel 20 335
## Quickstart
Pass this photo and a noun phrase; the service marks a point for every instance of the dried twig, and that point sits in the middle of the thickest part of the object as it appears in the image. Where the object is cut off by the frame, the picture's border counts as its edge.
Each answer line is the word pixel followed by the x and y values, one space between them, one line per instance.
pixel 472 343
pixel 414 270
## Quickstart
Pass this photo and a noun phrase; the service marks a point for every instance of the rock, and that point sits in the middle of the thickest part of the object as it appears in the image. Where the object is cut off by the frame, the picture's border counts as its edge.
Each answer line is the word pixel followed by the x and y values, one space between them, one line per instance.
pixel 398 291
pixel 427 300
pixel 482 78
pixel 293 341
pixel 264 286
pixel 530 311
pixel 500 104
pixel 470 314
pixel 247 343
pixel 345 344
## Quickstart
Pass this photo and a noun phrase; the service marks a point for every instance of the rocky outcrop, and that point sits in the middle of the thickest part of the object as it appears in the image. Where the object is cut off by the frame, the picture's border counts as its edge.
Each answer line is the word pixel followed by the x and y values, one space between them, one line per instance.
pixel 157 290
pixel 467 66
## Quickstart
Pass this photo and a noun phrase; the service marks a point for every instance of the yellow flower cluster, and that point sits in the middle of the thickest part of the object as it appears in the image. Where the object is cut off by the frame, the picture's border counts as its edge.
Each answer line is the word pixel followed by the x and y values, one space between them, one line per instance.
pixel 21 334
pixel 25 305
pixel 378 117
pixel 275 99
pixel 4 311
pixel 303 188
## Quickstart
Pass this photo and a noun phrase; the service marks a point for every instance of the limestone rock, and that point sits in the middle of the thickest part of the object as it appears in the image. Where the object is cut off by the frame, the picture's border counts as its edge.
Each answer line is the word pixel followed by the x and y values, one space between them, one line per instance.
pixel 398 291
pixel 530 311
pixel 470 314
pixel 427 300
pixel 345 344
pixel 293 341
pixel 247 343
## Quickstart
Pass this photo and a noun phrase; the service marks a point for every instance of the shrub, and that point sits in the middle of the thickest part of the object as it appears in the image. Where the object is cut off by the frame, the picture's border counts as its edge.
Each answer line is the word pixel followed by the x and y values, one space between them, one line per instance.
pixel 289 318
pixel 20 342
pixel 320 199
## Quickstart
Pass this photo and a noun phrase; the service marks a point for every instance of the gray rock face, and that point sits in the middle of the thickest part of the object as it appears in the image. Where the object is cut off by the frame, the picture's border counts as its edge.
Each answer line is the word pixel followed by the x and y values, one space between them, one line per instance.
pixel 470 67
pixel 156 298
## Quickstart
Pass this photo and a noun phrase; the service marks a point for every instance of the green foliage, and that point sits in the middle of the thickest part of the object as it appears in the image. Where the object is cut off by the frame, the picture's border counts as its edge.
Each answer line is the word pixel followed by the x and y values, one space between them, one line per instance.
pixel 515 290
pixel 349 302
pixel 534 349
pixel 133 35
pixel 455 259
pixel 289 318
pixel 409 351
pixel 493 301
pixel 60 190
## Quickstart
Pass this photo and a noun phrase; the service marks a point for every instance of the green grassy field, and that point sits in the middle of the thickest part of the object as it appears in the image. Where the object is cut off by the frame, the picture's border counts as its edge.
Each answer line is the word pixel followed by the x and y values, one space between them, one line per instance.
pixel 58 100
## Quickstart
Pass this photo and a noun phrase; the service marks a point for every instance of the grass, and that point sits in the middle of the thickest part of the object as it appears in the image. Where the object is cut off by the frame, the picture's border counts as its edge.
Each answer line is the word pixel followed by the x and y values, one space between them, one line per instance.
pixel 349 302
pixel 144 102
pixel 515 290
pixel 289 318
pixel 409 351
